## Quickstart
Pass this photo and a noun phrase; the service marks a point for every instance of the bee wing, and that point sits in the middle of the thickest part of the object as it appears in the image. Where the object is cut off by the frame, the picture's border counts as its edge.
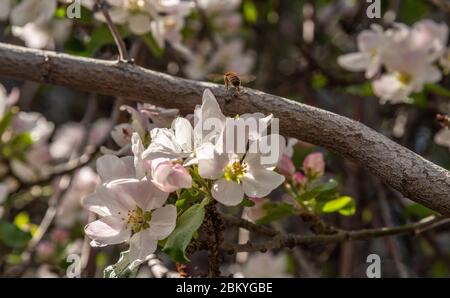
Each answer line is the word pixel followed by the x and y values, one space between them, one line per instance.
pixel 247 78
pixel 215 77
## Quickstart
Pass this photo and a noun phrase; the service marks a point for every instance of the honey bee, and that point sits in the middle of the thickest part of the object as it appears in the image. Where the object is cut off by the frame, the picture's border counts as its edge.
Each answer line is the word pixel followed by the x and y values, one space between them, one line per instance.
pixel 444 120
pixel 232 79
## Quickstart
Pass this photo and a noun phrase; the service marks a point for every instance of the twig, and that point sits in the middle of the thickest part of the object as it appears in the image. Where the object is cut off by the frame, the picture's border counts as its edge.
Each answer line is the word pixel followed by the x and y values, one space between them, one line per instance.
pixel 292 240
pixel 412 175
pixel 123 54
pixel 240 222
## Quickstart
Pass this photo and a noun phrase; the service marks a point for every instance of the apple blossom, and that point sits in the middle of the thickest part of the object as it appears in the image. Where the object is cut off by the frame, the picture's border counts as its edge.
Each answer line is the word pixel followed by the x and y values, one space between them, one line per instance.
pixel 131 210
pixel 143 119
pixel 370 45
pixel 408 54
pixel 236 177
pixel 314 165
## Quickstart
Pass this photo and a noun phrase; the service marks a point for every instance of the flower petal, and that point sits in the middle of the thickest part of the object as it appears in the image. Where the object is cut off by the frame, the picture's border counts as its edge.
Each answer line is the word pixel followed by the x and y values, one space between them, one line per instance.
pixel 163 221
pixel 260 182
pixel 111 167
pixel 108 230
pixel 226 192
pixel 142 245
pixel 354 61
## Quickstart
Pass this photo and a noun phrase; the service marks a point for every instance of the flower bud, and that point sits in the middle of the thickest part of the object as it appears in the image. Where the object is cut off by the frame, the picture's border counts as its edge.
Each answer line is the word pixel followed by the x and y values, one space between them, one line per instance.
pixel 169 176
pixel 314 165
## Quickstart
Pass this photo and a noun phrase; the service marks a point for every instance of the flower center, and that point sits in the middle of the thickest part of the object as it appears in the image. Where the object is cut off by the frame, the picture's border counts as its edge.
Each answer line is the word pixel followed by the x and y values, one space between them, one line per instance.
pixel 404 78
pixel 235 171
pixel 138 220
pixel 134 5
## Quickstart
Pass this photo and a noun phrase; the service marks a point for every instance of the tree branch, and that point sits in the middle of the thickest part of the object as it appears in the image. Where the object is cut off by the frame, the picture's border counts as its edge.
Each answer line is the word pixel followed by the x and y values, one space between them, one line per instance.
pixel 407 172
pixel 292 240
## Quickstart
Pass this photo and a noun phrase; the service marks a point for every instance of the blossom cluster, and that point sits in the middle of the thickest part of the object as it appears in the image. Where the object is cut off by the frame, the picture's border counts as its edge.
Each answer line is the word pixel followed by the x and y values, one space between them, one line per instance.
pixel 199 153
pixel 401 60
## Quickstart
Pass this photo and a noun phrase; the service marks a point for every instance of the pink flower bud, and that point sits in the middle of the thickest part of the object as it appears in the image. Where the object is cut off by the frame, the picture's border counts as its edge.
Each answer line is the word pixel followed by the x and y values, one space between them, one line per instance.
pixel 60 236
pixel 285 166
pixel 314 164
pixel 299 178
pixel 169 176
pixel 45 250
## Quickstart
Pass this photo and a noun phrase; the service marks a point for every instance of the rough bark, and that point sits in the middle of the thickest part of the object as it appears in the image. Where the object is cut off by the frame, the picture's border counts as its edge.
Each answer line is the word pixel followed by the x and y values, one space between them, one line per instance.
pixel 407 172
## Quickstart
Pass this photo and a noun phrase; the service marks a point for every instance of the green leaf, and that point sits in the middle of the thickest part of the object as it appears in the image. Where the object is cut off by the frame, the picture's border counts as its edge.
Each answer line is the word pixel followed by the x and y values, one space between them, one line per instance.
pixel 101 37
pixel 186 199
pixel 319 81
pixel 326 188
pixel 364 90
pixel 121 269
pixel 276 211
pixel 250 11
pixel 187 224
pixel 437 89
pixel 6 120
pixel 417 210
pixel 152 45
pixel 344 205
pixel 12 236
pixel 246 202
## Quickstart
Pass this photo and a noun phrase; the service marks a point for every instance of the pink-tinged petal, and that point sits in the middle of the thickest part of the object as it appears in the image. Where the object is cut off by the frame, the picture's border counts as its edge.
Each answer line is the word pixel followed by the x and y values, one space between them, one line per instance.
pixel 108 230
pixel 299 178
pixel 286 166
pixel 163 221
pixel 121 134
pixel 180 177
pixel 314 164
pixel 260 182
pixel 111 167
pixel 226 192
pixel 142 245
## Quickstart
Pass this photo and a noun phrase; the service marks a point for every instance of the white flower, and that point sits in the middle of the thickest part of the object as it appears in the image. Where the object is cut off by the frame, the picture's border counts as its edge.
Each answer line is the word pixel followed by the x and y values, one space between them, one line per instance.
pixel 143 119
pixel 370 46
pixel 131 210
pixel 236 176
pixel 182 140
pixel 32 11
pixel 164 18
